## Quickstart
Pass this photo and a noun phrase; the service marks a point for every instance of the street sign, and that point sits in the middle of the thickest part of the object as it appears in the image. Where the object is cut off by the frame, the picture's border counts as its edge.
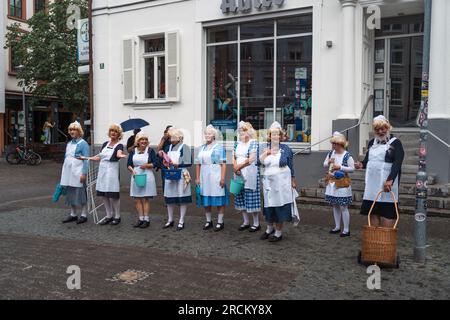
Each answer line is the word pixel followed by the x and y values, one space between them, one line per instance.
pixel 83 41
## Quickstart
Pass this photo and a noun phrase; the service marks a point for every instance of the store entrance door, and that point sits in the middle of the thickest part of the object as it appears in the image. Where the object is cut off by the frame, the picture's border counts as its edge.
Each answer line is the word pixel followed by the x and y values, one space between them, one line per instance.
pixel 398 70
pixel 404 80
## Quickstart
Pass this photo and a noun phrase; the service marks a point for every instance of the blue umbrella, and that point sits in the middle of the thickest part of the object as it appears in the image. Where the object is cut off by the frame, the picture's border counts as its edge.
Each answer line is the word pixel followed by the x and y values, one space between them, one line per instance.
pixel 132 124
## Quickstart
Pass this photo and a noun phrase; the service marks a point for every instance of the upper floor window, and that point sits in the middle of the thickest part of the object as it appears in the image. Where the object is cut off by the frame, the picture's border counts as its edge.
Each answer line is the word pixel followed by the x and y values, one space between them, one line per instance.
pixel 155 68
pixel 154 77
pixel 40 5
pixel 17 9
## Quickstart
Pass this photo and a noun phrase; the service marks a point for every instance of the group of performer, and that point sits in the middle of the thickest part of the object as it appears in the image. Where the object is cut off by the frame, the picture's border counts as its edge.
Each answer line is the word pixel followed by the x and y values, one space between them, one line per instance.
pixel 260 166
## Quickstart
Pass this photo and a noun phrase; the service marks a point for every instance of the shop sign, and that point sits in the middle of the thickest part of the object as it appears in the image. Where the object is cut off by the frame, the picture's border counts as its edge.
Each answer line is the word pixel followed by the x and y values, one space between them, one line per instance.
pixel 245 6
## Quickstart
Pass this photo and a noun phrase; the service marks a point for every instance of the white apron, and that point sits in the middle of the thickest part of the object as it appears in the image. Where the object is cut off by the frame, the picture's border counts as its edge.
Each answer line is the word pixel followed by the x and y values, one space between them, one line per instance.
pixel 331 189
pixel 377 172
pixel 210 174
pixel 277 187
pixel 150 187
pixel 249 173
pixel 72 167
pixel 108 172
pixel 176 188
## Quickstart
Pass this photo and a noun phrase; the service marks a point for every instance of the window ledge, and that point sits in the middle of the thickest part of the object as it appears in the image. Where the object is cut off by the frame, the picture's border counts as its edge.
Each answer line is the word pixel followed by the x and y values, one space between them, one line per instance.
pixel 142 105
pixel 17 19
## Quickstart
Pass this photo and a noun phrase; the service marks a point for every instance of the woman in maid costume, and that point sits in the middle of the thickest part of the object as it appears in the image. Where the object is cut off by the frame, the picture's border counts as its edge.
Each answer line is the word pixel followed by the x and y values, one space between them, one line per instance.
pixel 141 161
pixel 383 164
pixel 339 162
pixel 74 171
pixel 177 192
pixel 108 185
pixel 210 171
pixel 245 154
pixel 278 183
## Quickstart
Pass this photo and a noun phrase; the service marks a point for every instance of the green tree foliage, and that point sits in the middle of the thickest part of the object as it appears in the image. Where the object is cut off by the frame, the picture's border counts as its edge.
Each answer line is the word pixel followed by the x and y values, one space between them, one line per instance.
pixel 48 53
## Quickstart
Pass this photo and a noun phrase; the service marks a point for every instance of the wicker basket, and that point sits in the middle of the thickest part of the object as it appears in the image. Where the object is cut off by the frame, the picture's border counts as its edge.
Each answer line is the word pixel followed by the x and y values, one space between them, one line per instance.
pixel 379 245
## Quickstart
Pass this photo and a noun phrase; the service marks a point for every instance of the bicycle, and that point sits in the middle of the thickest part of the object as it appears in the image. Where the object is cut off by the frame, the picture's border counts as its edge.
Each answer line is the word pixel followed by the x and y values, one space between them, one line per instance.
pixel 22 154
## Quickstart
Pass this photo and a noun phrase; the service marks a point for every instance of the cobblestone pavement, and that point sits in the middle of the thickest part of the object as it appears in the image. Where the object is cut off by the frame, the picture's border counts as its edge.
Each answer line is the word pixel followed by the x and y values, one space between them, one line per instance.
pixel 36 249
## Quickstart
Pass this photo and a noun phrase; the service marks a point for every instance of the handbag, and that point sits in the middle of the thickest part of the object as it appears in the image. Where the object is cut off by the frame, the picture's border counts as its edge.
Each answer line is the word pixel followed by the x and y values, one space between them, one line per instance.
pixel 340 179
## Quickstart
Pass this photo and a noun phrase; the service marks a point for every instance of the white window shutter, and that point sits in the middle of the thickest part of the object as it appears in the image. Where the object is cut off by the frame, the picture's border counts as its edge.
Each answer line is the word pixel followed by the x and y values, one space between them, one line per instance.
pixel 128 78
pixel 173 66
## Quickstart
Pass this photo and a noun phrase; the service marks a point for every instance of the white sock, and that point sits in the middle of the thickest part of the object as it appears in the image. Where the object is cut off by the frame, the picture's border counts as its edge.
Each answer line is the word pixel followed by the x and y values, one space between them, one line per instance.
pixel 337 217
pixel 115 204
pixel 183 209
pixel 141 218
pixel 170 209
pixel 346 218
pixel 146 218
pixel 208 216
pixel 84 211
pixel 245 216
pixel 278 233
pixel 108 208
pixel 256 219
pixel 269 229
pixel 73 211
pixel 220 218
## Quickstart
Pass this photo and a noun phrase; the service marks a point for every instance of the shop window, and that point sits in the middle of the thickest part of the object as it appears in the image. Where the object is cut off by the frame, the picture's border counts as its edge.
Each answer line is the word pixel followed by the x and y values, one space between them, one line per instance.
pixel 294 25
pixel 222 34
pixel 274 84
pixel 17 9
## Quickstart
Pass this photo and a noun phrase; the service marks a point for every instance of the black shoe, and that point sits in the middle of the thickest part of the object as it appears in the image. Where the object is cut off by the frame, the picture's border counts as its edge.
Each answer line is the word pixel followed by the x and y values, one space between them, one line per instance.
pixel 243 227
pixel 138 224
pixel 343 234
pixel 70 219
pixel 145 224
pixel 335 231
pixel 115 222
pixel 266 235
pixel 106 221
pixel 180 226
pixel 168 225
pixel 81 220
pixel 254 228
pixel 274 238
pixel 219 226
pixel 208 225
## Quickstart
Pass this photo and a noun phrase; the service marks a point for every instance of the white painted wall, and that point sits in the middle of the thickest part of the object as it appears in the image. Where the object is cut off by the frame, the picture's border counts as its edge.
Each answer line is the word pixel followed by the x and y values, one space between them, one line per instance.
pixel 187 17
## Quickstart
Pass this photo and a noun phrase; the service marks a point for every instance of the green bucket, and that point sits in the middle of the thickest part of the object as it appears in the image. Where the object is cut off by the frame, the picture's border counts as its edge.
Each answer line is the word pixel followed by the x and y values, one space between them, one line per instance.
pixel 140 180
pixel 236 186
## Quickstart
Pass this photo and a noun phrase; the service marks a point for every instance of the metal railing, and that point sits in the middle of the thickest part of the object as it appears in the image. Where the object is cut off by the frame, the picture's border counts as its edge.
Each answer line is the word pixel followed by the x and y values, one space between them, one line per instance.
pixel 62 133
pixel 363 112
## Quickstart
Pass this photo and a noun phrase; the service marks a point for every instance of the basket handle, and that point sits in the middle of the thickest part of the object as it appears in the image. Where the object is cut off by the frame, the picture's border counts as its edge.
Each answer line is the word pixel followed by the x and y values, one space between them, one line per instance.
pixel 395 205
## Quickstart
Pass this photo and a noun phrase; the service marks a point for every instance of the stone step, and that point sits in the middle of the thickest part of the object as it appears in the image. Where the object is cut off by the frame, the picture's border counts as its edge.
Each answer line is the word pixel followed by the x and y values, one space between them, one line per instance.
pixel 408 160
pixel 433 190
pixel 405 199
pixel 409 178
pixel 320 203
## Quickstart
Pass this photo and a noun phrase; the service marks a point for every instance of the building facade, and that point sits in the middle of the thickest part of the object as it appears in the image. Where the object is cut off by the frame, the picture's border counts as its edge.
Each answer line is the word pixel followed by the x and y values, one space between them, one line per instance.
pixel 312 65
pixel 13 101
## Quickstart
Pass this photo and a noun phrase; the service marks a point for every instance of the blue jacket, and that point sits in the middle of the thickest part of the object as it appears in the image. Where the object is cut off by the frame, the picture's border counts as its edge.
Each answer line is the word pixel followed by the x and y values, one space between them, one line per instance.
pixel 286 158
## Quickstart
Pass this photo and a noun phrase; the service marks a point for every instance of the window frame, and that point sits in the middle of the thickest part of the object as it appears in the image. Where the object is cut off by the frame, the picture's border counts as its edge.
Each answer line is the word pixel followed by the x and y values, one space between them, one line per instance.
pixel 240 41
pixel 45 6
pixel 23 16
pixel 142 72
